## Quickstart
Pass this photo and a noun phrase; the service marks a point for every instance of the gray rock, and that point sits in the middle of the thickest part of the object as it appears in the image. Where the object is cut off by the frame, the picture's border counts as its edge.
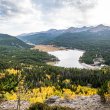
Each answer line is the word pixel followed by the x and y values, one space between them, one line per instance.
pixel 52 99
pixel 81 103
pixel 12 105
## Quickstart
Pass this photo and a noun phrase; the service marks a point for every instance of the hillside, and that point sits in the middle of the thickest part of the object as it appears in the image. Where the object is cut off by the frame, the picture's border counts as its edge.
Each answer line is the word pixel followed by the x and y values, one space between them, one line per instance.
pixel 12 56
pixel 7 40
pixel 24 73
pixel 94 39
pixel 96 44
pixel 40 37
pixel 84 35
pixel 83 40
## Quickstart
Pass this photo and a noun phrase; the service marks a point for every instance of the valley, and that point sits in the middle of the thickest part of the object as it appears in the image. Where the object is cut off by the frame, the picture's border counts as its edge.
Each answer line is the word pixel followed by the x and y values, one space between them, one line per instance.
pixel 66 57
pixel 94 40
pixel 25 75
pixel 54 55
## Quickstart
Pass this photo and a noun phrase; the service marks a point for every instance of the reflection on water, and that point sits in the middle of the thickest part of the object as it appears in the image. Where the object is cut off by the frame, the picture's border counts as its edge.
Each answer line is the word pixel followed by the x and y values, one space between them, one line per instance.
pixel 68 58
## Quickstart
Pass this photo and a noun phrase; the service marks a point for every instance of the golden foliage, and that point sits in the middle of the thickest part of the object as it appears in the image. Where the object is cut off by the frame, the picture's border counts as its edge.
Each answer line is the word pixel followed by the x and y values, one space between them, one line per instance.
pixel 12 71
pixel 10 96
pixel 40 94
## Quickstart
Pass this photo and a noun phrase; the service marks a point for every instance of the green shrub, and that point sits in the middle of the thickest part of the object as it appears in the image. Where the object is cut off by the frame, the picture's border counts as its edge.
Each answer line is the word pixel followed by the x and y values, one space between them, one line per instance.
pixel 40 106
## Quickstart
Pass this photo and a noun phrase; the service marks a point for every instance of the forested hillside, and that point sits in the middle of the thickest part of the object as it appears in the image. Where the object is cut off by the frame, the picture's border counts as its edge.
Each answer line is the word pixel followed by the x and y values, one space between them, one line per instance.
pixel 40 37
pixel 95 40
pixel 39 82
pixel 96 44
pixel 26 71
pixel 24 74
pixel 7 40
pixel 12 56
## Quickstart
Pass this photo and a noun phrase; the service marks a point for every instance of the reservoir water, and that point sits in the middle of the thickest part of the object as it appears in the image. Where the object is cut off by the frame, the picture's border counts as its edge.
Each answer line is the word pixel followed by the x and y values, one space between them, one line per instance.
pixel 68 58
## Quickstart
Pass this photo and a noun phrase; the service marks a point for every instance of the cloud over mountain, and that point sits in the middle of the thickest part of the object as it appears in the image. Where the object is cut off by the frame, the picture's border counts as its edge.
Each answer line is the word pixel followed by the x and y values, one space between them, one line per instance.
pixel 21 16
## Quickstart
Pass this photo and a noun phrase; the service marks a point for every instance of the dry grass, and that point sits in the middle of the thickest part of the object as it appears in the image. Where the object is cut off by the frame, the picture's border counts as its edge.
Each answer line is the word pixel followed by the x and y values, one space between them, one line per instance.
pixel 47 48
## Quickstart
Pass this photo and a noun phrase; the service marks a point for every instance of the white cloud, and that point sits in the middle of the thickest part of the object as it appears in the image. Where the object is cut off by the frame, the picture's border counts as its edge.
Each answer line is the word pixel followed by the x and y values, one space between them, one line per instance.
pixel 100 14
pixel 26 16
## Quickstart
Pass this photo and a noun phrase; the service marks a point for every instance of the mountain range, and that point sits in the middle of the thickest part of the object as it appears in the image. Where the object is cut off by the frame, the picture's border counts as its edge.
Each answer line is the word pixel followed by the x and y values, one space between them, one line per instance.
pixel 52 35
pixel 72 37
pixel 95 40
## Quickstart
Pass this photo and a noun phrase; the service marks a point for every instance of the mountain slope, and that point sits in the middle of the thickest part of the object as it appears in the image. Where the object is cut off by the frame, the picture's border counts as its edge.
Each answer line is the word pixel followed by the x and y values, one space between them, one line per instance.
pixel 40 37
pixel 94 39
pixel 7 40
pixel 83 40
pixel 46 36
pixel 96 42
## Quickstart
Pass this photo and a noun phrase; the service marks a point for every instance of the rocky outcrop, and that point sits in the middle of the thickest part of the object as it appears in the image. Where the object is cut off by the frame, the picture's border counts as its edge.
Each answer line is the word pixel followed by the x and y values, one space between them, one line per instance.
pixel 12 105
pixel 52 100
pixel 79 103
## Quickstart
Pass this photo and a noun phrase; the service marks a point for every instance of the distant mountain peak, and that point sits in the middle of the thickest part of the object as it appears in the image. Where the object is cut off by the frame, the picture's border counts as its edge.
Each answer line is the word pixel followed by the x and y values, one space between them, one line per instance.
pixel 71 28
pixel 100 27
pixel 77 29
pixel 44 36
pixel 51 30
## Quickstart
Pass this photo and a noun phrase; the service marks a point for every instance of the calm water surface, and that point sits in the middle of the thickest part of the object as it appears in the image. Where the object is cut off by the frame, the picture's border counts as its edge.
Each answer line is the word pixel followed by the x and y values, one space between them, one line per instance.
pixel 68 58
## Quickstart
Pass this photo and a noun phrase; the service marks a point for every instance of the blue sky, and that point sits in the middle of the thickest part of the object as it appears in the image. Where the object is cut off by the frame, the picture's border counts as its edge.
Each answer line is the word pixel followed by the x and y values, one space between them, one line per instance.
pixel 25 16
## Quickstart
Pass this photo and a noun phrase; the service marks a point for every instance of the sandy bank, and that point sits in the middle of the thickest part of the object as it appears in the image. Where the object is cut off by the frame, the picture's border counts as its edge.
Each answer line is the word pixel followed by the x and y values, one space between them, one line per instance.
pixel 47 48
pixel 87 66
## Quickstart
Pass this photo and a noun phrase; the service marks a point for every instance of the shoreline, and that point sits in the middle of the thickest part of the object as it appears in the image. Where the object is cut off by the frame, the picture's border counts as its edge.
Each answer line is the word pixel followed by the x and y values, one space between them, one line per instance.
pixel 87 66
pixel 52 48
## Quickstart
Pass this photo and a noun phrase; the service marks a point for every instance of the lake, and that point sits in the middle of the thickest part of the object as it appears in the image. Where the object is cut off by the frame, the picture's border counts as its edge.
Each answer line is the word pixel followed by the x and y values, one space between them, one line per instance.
pixel 68 58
